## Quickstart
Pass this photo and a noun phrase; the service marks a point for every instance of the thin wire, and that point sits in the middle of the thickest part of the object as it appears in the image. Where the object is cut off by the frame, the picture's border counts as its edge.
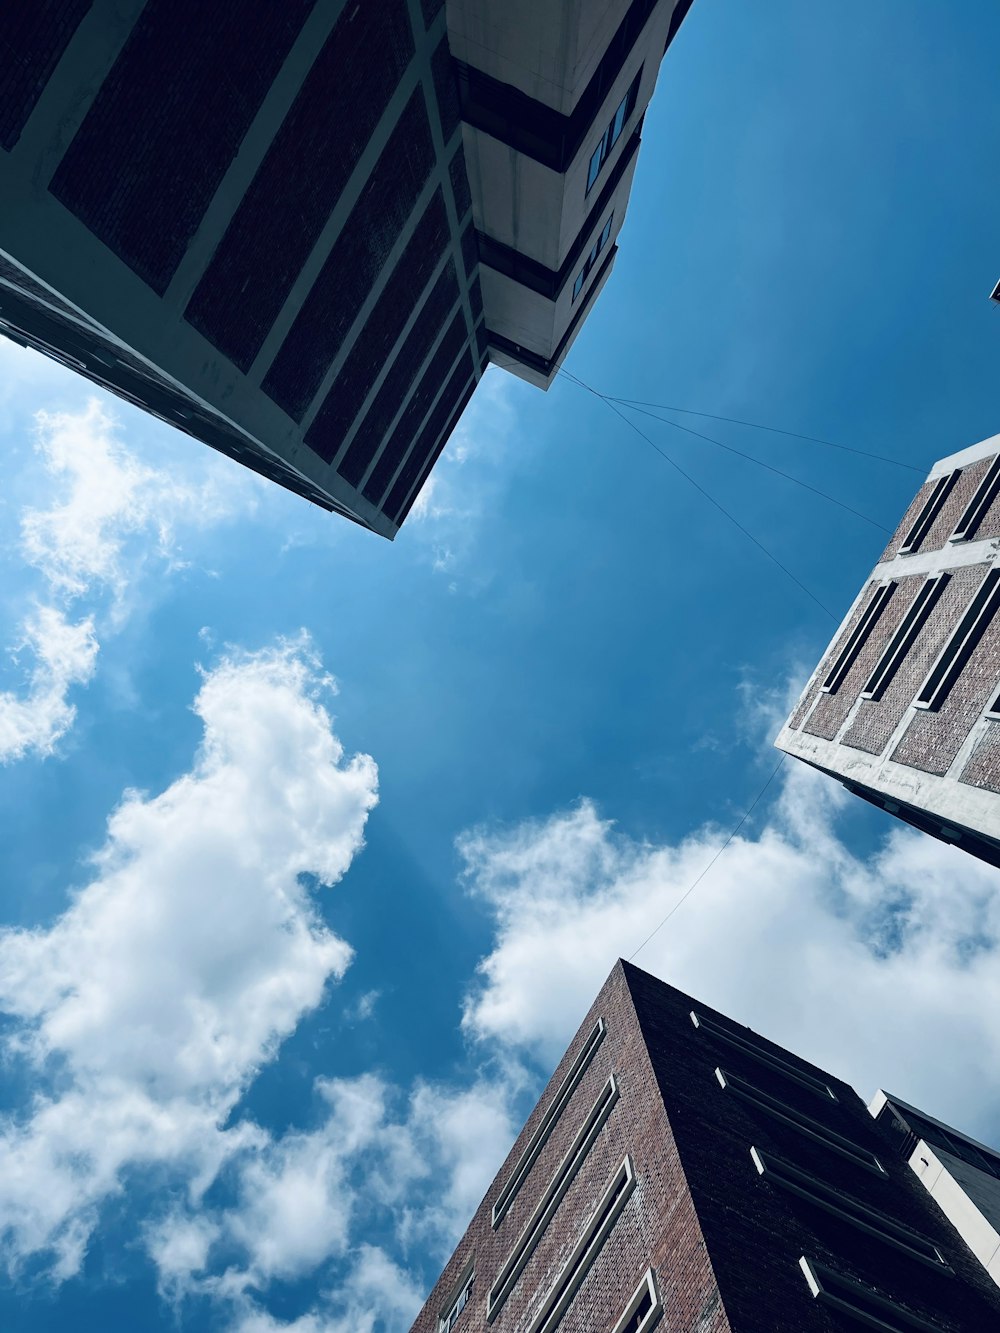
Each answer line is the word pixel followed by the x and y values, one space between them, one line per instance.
pixel 691 888
pixel 677 425
pixel 698 487
pixel 776 430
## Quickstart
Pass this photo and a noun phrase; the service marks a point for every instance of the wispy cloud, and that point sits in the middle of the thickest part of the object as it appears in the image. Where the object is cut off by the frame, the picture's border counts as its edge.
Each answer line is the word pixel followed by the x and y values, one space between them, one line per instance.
pixel 89 543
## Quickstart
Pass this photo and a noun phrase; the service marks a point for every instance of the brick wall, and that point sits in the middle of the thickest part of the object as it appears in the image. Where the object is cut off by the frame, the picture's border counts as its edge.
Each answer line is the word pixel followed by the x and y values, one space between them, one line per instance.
pixel 983 768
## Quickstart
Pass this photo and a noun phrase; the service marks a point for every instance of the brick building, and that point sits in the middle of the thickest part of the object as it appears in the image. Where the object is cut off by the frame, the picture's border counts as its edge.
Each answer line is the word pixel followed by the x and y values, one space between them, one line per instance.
pixel 904 707
pixel 300 231
pixel 682 1172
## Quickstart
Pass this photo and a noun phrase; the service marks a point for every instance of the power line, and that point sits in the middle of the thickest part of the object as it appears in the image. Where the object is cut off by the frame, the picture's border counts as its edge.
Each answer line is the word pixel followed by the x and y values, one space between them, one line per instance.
pixel 677 425
pixel 698 487
pixel 691 888
pixel 775 430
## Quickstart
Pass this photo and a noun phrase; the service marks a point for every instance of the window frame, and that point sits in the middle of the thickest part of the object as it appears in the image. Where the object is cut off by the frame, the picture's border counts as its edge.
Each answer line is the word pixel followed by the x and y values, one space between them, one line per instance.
pixel 588 1246
pixel 648 1286
pixel 824 1282
pixel 565 1173
pixel 905 636
pixel 858 637
pixel 741 1043
pixel 805 1124
pixel 610 137
pixel 963 641
pixel 452 1311
pixel 522 1167
pixel 861 1215
pixel 975 511
pixel 595 251
pixel 929 511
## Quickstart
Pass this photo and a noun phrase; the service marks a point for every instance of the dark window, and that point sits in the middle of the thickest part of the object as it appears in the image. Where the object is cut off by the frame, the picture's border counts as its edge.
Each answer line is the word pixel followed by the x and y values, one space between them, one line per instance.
pixel 960 647
pixel 929 511
pixel 613 132
pixel 595 250
pixel 425 471
pixel 450 1318
pixel 986 493
pixel 905 637
pixel 858 638
pixel 320 141
pixel 445 89
pixel 430 442
pixel 750 1048
pixel 860 1302
pixel 168 121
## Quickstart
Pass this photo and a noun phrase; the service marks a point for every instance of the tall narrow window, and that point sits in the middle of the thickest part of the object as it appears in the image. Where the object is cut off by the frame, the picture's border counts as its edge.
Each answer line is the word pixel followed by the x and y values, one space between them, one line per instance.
pixel 613 132
pixel 867 1306
pixel 857 639
pixel 905 637
pixel 643 1308
pixel 740 1043
pixel 962 644
pixel 929 511
pixel 596 249
pixel 449 1317
pixel 975 510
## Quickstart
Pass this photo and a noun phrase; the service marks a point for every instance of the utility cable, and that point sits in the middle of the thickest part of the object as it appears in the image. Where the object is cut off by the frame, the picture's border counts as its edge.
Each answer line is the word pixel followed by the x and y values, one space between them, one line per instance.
pixel 691 887
pixel 698 487
pixel 776 430
pixel 677 425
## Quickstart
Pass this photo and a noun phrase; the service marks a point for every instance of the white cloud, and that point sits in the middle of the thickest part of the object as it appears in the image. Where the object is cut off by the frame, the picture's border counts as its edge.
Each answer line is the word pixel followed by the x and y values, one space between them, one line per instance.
pixel 867 966
pixel 90 539
pixel 148 1006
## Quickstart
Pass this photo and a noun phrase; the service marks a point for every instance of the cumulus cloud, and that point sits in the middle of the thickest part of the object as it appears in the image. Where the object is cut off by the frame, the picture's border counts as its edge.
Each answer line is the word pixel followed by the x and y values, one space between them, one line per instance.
pixel 91 540
pixel 143 1012
pixel 868 965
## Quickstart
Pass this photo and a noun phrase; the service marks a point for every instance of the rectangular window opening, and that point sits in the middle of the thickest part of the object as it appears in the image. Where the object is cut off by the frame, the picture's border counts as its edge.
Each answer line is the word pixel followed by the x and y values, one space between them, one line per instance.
pixel 805 1124
pixel 930 509
pixel 962 644
pixel 975 510
pixel 613 132
pixel 596 249
pixel 555 1192
pixel 860 1302
pixel 860 1215
pixel 547 1123
pixel 644 1307
pixel 858 637
pixel 741 1043
pixel 587 1248
pixel 449 1316
pixel 905 637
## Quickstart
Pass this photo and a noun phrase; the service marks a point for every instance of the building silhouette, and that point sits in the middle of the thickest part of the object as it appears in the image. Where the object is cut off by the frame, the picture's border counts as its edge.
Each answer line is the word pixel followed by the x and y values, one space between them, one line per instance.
pixel 300 231
pixel 904 707
pixel 684 1173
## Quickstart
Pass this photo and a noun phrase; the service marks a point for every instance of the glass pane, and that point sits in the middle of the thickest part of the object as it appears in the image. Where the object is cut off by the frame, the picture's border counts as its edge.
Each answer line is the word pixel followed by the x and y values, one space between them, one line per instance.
pixel 596 160
pixel 618 124
pixel 577 286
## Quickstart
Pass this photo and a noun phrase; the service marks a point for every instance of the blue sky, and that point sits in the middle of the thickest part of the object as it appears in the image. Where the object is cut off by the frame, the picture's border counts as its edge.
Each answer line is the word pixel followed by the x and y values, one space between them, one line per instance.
pixel 284 963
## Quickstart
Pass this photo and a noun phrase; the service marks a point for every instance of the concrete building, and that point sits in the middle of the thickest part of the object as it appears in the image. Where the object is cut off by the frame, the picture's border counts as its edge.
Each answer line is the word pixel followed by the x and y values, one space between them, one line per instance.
pixel 684 1173
pixel 904 707
pixel 300 231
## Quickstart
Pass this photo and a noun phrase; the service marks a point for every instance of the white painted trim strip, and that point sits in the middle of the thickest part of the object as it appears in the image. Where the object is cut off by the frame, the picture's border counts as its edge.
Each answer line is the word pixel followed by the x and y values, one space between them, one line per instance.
pixel 646 1290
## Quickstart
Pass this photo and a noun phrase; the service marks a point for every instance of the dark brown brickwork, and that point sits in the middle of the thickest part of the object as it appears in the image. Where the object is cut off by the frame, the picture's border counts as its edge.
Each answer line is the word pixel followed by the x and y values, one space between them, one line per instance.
pixel 954 506
pixel 876 720
pixel 983 768
pixel 831 712
pixel 724 1242
pixel 933 739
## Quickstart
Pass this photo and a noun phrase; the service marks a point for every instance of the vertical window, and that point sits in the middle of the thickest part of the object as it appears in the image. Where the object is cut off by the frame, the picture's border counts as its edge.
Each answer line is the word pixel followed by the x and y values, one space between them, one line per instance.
pixel 858 638
pixel 613 132
pixel 772 1061
pixel 596 249
pixel 986 493
pixel 643 1308
pixel 860 1302
pixel 929 511
pixel 450 1317
pixel 962 644
pixel 905 637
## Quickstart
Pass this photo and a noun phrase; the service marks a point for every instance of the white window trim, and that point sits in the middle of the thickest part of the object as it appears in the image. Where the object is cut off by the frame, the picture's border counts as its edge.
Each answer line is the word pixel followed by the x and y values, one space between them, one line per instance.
pixel 905 635
pixel 836 1289
pixel 858 637
pixel 586 1250
pixel 554 1194
pixel 969 628
pixel 932 506
pixel 741 1043
pixel 975 510
pixel 547 1123
pixel 468 1274
pixel 805 1124
pixel 848 1209
pixel 648 1286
